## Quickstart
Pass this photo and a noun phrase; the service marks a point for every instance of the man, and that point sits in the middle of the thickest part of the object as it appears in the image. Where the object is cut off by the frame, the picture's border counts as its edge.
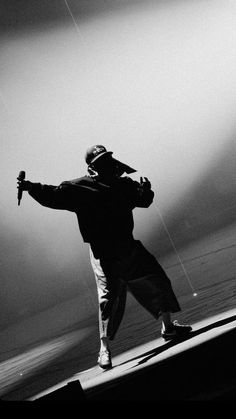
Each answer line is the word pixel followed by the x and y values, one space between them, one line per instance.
pixel 104 201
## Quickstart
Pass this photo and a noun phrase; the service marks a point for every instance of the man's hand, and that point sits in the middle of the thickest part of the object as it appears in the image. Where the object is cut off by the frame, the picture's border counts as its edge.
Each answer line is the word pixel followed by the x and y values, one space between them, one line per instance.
pixel 146 185
pixel 24 185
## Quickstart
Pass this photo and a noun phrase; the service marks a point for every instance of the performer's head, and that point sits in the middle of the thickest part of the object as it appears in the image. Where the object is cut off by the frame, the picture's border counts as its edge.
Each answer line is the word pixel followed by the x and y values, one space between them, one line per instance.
pixel 101 164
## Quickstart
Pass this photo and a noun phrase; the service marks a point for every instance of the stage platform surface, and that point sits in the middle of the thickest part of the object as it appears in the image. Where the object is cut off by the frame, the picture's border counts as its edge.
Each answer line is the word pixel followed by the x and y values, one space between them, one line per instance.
pixel 201 367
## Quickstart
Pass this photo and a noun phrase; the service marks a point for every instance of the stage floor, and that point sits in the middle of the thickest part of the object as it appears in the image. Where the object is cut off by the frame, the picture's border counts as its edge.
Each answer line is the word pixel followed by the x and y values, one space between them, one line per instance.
pixel 45 352
pixel 150 360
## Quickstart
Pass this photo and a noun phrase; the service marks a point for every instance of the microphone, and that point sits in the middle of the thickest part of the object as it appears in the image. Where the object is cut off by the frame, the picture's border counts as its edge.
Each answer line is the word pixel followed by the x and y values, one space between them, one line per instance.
pixel 21 176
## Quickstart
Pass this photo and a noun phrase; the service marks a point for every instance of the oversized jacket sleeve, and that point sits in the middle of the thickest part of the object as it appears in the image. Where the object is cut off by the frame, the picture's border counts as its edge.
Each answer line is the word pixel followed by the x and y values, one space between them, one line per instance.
pixel 66 196
pixel 138 195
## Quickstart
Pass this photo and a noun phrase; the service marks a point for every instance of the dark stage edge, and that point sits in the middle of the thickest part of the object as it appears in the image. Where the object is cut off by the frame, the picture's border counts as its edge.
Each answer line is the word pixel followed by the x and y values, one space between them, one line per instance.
pixel 199 368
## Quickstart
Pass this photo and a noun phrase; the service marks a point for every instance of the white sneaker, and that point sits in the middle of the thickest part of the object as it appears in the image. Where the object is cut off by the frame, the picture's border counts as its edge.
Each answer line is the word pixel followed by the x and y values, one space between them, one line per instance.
pixel 104 359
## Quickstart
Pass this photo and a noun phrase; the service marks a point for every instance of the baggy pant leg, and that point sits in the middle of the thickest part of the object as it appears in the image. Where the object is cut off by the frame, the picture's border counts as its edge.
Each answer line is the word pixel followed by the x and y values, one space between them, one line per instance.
pixel 155 294
pixel 148 282
pixel 111 300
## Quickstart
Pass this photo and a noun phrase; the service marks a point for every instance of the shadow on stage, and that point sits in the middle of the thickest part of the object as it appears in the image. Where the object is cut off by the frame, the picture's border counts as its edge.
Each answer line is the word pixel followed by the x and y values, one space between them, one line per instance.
pixel 201 367
pixel 154 352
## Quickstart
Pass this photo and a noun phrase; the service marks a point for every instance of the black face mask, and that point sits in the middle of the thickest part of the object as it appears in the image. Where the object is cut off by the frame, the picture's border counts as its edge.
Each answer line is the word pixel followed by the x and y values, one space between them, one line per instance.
pixel 107 172
pixel 109 168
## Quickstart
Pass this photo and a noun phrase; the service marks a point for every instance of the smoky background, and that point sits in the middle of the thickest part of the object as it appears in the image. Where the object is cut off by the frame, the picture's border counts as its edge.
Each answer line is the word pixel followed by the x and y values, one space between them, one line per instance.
pixel 153 81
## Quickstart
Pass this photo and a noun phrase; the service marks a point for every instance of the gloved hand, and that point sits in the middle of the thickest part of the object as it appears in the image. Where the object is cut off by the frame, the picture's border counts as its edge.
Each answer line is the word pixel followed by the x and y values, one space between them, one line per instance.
pixel 146 184
pixel 24 185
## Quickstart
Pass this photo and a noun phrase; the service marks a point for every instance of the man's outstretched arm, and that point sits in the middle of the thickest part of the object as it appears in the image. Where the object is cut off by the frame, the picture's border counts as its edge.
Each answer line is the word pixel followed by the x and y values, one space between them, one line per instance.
pixel 56 197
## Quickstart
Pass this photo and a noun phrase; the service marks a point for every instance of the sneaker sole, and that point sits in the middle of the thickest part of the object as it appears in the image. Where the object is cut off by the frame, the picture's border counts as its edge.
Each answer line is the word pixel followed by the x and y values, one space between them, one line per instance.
pixel 177 336
pixel 105 367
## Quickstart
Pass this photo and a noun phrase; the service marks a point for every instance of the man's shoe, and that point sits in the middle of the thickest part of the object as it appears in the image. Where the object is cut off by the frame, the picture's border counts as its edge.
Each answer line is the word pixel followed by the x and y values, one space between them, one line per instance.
pixel 104 359
pixel 176 331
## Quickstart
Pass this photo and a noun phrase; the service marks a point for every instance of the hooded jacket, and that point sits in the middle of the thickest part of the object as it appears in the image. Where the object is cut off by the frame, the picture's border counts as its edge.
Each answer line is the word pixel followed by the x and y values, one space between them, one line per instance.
pixel 104 212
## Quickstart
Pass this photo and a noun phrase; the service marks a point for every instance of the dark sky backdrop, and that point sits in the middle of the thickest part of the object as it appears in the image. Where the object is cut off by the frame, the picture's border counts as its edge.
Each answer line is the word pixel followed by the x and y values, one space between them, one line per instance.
pixel 154 81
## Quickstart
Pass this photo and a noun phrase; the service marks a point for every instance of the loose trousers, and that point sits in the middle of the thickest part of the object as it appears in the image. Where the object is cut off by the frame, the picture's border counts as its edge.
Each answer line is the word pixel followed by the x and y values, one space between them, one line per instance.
pixel 141 274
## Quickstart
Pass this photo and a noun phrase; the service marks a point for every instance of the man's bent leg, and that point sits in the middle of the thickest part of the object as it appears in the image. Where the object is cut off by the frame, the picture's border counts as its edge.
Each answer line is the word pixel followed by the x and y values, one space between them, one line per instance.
pixel 157 296
pixel 155 293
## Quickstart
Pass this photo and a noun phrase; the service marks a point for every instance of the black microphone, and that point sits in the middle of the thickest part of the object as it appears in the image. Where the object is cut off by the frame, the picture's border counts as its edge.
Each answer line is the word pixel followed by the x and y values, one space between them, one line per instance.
pixel 21 176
